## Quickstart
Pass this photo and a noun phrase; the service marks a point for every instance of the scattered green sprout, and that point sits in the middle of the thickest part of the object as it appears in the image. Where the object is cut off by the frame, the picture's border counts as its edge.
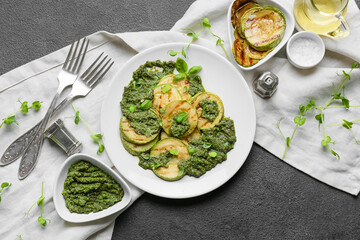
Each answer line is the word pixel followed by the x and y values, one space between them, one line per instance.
pixel 3 186
pixel 195 35
pixel 40 202
pixel 24 108
pixel 96 137
pixel 320 117
pixel 19 237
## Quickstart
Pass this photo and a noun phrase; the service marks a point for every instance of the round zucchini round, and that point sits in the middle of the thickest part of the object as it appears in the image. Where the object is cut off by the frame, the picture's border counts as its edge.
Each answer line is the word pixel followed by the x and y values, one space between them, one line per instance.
pixel 240 12
pixel 172 172
pixel 240 55
pixel 173 109
pixel 203 122
pixel 196 134
pixel 264 28
pixel 163 95
pixel 136 149
pixel 130 135
pixel 253 53
pixel 182 86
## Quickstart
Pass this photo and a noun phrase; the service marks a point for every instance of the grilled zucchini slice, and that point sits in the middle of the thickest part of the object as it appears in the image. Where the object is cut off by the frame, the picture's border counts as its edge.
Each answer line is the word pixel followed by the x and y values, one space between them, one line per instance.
pixel 196 134
pixel 129 134
pixel 236 5
pixel 136 149
pixel 172 172
pixel 163 95
pixel 172 110
pixel 204 121
pixel 180 85
pixel 240 55
pixel 253 53
pixel 240 12
pixel 264 28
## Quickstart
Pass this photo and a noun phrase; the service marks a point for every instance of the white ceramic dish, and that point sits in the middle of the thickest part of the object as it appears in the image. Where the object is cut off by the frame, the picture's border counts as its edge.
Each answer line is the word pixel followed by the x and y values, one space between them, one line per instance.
pixel 219 76
pixel 59 200
pixel 305 53
pixel 290 24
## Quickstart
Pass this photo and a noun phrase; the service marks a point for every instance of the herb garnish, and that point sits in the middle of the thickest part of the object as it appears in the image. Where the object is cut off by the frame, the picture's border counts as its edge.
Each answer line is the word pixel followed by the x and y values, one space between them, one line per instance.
pixel 40 202
pixel 320 117
pixel 24 108
pixel 96 137
pixel 194 36
pixel 3 186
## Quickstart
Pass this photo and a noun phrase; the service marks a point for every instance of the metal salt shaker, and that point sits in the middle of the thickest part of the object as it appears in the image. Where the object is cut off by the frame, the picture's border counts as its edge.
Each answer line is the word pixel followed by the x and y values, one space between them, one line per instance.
pixel 266 84
pixel 63 138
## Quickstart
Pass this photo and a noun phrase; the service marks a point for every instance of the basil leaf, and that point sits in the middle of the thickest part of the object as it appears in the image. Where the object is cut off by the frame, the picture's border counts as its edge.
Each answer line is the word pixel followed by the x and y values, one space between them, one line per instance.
pixel 179 77
pixel 145 105
pixel 174 151
pixel 181 66
pixel 166 88
pixel 181 117
pixel 194 70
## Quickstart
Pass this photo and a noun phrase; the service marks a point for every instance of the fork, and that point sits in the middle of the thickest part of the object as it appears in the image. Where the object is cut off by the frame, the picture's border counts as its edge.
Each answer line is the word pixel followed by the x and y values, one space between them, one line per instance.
pixel 81 87
pixel 66 77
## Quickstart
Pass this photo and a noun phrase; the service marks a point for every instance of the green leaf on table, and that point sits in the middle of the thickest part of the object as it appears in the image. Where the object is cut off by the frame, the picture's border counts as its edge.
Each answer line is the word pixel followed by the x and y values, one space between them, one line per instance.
pixel 36 105
pixel 24 107
pixel 206 23
pixel 287 141
pixel 10 119
pixel 96 137
pixel 101 149
pixel 347 124
pixel 77 117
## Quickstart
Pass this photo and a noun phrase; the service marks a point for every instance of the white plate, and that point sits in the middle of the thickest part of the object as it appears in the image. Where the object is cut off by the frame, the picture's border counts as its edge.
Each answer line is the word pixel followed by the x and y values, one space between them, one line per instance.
pixel 290 24
pixel 59 200
pixel 220 77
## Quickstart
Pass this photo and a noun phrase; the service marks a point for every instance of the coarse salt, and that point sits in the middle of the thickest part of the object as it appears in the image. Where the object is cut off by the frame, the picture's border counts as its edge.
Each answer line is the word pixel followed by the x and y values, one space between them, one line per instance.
pixel 305 51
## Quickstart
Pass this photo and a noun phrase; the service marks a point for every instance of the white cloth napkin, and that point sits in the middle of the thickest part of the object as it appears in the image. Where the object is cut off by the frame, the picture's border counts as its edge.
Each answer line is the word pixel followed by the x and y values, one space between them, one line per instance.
pixel 296 87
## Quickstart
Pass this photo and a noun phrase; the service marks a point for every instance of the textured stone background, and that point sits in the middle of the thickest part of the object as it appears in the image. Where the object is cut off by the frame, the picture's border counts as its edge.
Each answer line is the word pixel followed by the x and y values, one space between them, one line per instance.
pixel 266 199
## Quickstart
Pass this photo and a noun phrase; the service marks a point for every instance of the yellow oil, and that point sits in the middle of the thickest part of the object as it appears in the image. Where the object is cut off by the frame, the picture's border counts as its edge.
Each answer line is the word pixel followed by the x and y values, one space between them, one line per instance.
pixel 318 16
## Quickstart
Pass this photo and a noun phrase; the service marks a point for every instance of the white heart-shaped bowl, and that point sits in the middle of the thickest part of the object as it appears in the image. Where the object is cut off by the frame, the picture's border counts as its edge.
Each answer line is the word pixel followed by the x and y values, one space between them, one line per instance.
pixel 59 200
pixel 290 25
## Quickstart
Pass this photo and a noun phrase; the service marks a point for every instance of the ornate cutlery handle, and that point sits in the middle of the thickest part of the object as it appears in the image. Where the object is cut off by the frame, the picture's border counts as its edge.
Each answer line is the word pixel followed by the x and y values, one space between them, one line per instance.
pixel 31 154
pixel 18 147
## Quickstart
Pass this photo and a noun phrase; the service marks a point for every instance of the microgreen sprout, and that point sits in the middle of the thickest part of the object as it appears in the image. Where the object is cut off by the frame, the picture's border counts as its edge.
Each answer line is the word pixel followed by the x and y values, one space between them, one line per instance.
pixel 96 137
pixel 19 237
pixel 24 108
pixel 3 186
pixel 40 202
pixel 195 35
pixel 320 117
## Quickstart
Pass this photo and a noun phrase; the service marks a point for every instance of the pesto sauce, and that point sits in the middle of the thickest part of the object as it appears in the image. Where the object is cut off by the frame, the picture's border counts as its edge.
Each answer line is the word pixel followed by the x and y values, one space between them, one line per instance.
pixel 220 139
pixel 89 189
pixel 140 88
pixel 151 162
pixel 179 129
pixel 210 109
pixel 195 86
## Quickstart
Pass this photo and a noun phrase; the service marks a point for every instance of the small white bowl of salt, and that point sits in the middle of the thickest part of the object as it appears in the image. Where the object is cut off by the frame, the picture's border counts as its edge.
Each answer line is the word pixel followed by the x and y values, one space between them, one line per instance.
pixel 305 49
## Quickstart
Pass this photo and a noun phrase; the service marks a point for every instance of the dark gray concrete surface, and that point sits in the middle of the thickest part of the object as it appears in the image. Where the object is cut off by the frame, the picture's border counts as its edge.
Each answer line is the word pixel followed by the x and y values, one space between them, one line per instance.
pixel 266 199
